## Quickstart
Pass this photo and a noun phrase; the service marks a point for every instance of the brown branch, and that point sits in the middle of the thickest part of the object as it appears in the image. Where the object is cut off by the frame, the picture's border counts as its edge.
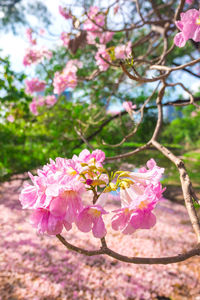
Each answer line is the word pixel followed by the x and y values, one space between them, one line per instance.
pixel 185 183
pixel 134 260
pixel 127 154
pixel 143 79
pixel 186 70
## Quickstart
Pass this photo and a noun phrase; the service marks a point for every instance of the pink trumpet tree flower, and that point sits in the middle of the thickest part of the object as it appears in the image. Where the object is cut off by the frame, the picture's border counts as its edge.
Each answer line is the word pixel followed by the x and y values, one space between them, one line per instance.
pixel 128 106
pixel 123 51
pixel 139 200
pixel 36 55
pixel 67 78
pixel 34 85
pixel 189 25
pixel 29 33
pixel 64 12
pixel 65 38
pixel 102 57
pixel 90 218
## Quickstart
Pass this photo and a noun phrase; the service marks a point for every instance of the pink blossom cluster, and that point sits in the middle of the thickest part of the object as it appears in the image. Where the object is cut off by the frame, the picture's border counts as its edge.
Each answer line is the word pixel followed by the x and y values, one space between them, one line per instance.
pixel 64 12
pixel 65 38
pixel 128 106
pixel 34 85
pixel 189 25
pixel 67 78
pixel 190 2
pixel 41 101
pixel 138 200
pixel 93 25
pixel 123 51
pixel 56 196
pixel 29 36
pixel 101 57
pixel 36 55
pixel 10 118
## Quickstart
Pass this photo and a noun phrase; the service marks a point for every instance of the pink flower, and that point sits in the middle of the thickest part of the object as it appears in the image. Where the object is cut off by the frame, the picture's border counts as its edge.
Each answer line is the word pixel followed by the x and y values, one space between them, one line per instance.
pixel 123 51
pixel 41 101
pixel 106 37
pixel 63 11
pixel 139 200
pixel 10 118
pixel 67 78
pixel 115 9
pixel 91 218
pixel 42 31
pixel 36 55
pixel 34 85
pixel 189 26
pixel 29 33
pixel 136 212
pixel 96 157
pixel 65 38
pixel 93 26
pixel 55 196
pixel 50 100
pixel 128 106
pixel 33 107
pixel 100 56
pixel 44 221
pixel 189 2
pixel 128 221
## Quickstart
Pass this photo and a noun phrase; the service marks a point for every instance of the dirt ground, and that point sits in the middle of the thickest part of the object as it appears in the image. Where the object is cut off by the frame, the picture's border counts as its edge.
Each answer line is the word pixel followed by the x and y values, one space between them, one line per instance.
pixel 38 267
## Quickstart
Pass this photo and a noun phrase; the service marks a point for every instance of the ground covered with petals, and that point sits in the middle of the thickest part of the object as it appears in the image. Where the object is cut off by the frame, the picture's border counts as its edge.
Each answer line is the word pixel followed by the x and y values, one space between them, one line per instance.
pixel 38 267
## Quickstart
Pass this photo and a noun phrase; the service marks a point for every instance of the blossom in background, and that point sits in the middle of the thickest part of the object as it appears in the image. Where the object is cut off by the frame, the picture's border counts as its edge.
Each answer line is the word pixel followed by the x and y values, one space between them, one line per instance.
pixel 34 85
pixel 123 51
pixel 41 101
pixel 36 102
pixel 93 26
pixel 97 157
pixel 36 55
pixel 189 26
pixel 100 56
pixel 50 100
pixel 193 114
pixel 65 38
pixel 106 37
pixel 189 1
pixel 128 106
pixel 67 78
pixel 10 118
pixel 91 218
pixel 42 31
pixel 116 9
pixel 29 33
pixel 64 12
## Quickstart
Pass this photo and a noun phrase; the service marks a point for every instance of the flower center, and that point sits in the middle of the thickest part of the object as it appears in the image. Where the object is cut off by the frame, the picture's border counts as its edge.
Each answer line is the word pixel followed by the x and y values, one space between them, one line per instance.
pixel 71 171
pixel 143 204
pixel 94 212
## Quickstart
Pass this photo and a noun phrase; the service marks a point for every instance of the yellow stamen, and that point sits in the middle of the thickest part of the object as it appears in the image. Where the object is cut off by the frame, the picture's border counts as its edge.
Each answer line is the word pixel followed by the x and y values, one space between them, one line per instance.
pixel 198 21
pixel 94 212
pixel 71 172
pixel 126 211
pixel 143 204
